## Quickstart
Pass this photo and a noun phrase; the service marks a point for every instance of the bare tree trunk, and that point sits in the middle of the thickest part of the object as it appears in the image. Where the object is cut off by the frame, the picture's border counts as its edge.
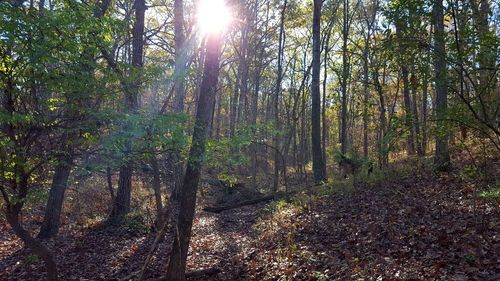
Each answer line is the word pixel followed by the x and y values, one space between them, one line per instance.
pixel 318 164
pixel 442 157
pixel 177 264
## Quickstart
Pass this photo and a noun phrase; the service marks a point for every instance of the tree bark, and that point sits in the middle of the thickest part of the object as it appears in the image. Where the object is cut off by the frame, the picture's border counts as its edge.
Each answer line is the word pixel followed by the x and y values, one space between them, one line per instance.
pixel 324 128
pixel 318 164
pixel 442 157
pixel 177 264
pixel 180 60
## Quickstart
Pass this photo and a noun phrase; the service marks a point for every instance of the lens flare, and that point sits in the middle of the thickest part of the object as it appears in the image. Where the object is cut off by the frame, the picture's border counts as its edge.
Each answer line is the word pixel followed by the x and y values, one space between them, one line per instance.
pixel 213 16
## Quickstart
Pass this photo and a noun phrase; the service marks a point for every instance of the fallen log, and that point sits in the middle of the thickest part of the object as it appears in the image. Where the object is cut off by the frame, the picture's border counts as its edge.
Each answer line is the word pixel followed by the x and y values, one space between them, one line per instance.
pixel 194 274
pixel 218 209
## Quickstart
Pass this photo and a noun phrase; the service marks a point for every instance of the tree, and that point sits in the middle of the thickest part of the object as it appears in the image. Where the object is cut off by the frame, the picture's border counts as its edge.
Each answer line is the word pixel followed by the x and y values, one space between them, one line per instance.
pixel 50 224
pixel 179 86
pixel 121 203
pixel 276 97
pixel 318 164
pixel 441 156
pixel 345 76
pixel 177 264
pixel 41 86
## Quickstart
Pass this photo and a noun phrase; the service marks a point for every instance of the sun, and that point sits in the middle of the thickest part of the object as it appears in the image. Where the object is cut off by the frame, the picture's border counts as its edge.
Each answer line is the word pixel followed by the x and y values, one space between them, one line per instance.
pixel 213 16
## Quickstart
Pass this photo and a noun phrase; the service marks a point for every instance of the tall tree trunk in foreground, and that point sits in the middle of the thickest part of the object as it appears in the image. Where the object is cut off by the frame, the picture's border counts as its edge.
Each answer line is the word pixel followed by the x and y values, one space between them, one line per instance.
pixel 318 165
pixel 177 264
pixel 121 204
pixel 442 157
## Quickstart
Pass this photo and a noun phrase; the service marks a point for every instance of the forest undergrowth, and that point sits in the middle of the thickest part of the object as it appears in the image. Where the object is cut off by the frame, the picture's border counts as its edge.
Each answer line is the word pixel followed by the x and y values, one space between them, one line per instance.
pixel 406 224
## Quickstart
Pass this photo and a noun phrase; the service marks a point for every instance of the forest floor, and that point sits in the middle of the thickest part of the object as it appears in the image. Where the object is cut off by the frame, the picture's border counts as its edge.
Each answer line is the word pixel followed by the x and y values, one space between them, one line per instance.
pixel 417 226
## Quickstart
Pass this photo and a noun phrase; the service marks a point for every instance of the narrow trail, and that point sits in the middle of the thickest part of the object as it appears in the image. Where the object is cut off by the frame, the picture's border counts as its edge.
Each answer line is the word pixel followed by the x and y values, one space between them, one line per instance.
pixel 418 228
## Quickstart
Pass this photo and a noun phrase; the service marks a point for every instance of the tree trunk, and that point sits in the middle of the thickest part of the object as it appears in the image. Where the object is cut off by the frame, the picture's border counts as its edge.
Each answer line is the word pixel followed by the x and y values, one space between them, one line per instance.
pixel 156 183
pixel 180 60
pixel 50 225
pixel 177 264
pixel 323 107
pixel 486 58
pixel 36 246
pixel 383 150
pixel 12 210
pixel 179 89
pixel 410 144
pixel 442 157
pixel 121 205
pixel 318 164
pixel 109 178
pixel 365 96
pixel 414 113
pixel 343 122
pixel 281 43
pixel 424 112
pixel 403 62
